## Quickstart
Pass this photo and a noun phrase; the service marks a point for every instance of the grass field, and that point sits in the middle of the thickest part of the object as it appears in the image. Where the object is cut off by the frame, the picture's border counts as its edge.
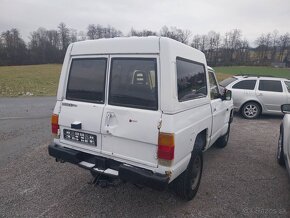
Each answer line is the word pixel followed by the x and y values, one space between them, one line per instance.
pixel 42 80
pixel 261 71
pixel 31 80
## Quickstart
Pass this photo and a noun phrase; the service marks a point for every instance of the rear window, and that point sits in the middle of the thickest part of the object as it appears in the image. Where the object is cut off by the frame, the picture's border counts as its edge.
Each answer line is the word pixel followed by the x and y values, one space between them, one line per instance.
pixel 87 80
pixel 245 84
pixel 270 86
pixel 227 81
pixel 191 80
pixel 133 83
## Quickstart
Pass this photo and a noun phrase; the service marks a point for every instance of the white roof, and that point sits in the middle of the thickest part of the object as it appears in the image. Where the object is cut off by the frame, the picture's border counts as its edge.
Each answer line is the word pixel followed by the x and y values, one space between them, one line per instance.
pixel 126 45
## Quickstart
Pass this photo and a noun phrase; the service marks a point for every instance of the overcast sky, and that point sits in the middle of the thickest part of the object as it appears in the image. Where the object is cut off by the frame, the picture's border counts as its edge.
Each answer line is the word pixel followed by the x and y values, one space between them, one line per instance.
pixel 199 16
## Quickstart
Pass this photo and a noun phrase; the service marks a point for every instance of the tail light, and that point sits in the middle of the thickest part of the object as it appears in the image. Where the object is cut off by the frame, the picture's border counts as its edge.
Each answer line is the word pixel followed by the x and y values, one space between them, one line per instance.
pixel 54 124
pixel 166 146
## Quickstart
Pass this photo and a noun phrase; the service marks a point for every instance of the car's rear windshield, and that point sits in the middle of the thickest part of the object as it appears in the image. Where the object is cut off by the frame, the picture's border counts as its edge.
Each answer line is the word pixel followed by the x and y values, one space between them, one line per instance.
pixel 227 81
pixel 133 83
pixel 87 80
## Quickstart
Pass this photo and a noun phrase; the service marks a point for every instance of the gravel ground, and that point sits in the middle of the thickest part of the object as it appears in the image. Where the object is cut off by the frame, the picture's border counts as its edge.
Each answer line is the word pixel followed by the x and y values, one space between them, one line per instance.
pixel 241 180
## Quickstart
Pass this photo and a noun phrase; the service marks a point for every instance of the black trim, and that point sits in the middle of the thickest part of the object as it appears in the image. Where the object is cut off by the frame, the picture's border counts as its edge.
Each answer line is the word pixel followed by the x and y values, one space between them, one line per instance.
pixel 127 173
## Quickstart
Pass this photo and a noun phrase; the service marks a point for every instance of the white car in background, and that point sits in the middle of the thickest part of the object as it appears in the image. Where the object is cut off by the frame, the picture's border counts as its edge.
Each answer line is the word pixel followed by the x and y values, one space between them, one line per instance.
pixel 255 95
pixel 283 154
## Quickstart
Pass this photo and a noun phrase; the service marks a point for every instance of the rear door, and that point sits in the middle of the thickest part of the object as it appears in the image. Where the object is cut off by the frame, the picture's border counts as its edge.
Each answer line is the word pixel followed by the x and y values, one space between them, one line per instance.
pixel 131 117
pixel 243 91
pixel 271 95
pixel 82 108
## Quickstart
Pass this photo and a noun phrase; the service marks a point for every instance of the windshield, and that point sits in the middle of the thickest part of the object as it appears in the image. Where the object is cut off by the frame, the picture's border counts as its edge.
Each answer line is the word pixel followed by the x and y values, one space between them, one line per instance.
pixel 227 81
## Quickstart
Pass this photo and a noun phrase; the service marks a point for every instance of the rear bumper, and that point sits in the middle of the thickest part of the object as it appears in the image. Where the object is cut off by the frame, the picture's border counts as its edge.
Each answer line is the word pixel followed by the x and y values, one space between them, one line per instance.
pixel 125 172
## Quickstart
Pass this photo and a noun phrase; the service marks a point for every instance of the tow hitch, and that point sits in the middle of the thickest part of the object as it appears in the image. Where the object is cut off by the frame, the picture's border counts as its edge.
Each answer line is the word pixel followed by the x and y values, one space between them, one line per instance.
pixel 104 181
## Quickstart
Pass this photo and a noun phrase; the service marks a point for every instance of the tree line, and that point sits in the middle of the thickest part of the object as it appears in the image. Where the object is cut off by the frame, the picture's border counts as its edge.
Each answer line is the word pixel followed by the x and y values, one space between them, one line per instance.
pixel 49 46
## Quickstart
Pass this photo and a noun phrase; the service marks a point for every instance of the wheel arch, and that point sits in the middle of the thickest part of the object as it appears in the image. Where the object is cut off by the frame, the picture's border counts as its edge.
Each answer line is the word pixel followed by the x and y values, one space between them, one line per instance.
pixel 202 135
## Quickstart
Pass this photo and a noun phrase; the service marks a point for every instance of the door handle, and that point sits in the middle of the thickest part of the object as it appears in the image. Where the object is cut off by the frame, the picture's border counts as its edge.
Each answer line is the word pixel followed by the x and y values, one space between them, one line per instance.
pixel 214 110
pixel 108 117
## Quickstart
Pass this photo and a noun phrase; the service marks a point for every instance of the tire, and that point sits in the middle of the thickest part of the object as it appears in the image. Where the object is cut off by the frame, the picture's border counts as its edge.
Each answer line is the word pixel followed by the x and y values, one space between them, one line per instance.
pixel 280 151
pixel 223 140
pixel 251 110
pixel 187 184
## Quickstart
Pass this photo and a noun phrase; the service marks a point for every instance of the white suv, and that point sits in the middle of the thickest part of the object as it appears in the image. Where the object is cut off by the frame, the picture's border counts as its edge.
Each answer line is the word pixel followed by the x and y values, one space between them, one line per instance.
pixel 139 109
pixel 253 95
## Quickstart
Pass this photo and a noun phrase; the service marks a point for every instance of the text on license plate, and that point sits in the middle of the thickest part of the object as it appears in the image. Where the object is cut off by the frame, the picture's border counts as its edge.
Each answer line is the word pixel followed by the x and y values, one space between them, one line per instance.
pixel 80 137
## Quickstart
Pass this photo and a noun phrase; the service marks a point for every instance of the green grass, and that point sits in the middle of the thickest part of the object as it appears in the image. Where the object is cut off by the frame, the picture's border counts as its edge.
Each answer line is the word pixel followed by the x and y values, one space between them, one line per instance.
pixel 42 80
pixel 263 71
pixel 30 80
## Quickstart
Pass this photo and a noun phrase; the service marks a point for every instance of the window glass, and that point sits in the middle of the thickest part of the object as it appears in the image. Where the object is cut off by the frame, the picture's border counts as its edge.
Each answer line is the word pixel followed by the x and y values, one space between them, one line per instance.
pixel 270 86
pixel 287 85
pixel 87 80
pixel 227 81
pixel 133 83
pixel 245 84
pixel 214 90
pixel 191 80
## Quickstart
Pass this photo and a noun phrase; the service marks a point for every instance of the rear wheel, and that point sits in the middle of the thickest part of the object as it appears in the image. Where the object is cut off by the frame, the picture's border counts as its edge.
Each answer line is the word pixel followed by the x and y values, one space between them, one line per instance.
pixel 251 110
pixel 280 152
pixel 187 184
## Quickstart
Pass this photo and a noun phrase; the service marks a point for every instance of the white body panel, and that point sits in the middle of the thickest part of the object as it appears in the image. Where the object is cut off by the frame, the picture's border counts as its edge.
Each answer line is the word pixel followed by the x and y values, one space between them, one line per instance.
pixel 286 140
pixel 130 135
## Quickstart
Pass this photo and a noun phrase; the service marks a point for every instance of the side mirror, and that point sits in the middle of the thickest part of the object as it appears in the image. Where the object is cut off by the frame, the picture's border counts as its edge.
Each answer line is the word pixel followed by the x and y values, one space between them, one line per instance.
pixel 227 96
pixel 285 108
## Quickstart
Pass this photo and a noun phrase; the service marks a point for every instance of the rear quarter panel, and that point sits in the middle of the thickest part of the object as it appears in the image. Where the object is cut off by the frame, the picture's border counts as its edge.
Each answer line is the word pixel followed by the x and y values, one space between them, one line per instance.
pixel 186 125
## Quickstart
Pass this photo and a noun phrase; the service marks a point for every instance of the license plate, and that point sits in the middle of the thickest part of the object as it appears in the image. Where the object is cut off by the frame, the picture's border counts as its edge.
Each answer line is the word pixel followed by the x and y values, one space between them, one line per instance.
pixel 80 137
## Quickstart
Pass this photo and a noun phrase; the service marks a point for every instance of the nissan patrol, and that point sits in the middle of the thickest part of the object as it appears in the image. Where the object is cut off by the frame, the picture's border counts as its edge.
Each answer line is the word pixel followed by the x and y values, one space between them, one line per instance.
pixel 142 110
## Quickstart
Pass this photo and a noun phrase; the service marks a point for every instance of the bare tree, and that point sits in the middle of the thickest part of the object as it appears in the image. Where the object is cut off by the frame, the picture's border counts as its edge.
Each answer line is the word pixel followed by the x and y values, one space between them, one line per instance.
pixel 64 35
pixel 284 44
pixel 175 33
pixel 92 31
pixel 144 32
pixel 13 48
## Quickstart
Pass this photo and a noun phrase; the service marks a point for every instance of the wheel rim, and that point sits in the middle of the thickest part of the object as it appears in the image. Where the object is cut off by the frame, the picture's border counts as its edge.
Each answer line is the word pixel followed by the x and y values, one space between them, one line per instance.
pixel 251 110
pixel 279 147
pixel 196 172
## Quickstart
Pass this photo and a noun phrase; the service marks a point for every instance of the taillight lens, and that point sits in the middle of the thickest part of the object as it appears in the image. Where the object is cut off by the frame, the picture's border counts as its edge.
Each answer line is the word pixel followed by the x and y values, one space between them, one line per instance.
pixel 166 146
pixel 54 124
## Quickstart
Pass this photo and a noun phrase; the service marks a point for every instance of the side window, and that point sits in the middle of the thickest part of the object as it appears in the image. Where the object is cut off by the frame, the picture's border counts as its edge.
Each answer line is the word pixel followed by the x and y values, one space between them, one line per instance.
pixel 270 86
pixel 87 80
pixel 133 83
pixel 287 85
pixel 214 90
pixel 245 84
pixel 191 80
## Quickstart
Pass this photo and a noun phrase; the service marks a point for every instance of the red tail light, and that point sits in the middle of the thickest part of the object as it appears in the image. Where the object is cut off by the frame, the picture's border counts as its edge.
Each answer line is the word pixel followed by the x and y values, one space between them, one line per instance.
pixel 166 146
pixel 54 124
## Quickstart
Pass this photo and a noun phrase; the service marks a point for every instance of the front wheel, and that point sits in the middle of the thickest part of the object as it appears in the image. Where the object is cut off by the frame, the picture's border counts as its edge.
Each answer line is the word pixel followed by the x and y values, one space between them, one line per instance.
pixel 187 184
pixel 251 110
pixel 280 152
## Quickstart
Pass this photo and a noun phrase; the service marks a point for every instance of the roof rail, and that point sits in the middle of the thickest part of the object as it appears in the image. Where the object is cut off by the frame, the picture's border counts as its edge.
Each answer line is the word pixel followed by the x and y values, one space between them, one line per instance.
pixel 252 75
